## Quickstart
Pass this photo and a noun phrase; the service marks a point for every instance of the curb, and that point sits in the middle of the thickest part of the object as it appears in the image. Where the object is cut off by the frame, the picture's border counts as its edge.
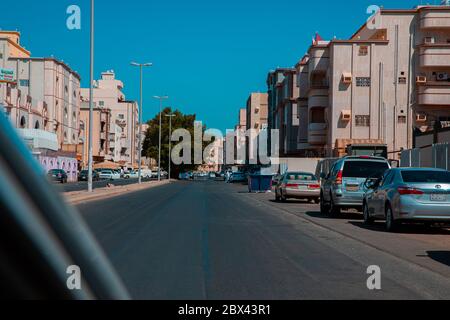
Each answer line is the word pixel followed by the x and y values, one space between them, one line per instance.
pixel 106 193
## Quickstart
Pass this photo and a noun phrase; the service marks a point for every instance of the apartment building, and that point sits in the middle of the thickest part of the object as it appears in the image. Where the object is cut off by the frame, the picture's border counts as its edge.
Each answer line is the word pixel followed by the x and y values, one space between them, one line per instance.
pixel 389 79
pixel 283 108
pixel 41 98
pixel 123 135
pixel 101 121
pixel 256 121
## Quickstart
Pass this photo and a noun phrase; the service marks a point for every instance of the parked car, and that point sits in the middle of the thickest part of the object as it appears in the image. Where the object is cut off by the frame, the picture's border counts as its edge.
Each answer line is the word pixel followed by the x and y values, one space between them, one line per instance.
pixel 146 173
pixel 408 194
pixel 108 174
pixel 84 175
pixel 58 175
pixel 237 177
pixel 298 185
pixel 344 186
pixel 131 174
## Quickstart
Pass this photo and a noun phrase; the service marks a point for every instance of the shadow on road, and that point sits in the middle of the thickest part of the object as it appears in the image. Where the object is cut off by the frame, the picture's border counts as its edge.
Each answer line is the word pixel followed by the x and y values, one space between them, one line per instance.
pixel 342 216
pixel 291 201
pixel 404 229
pixel 440 256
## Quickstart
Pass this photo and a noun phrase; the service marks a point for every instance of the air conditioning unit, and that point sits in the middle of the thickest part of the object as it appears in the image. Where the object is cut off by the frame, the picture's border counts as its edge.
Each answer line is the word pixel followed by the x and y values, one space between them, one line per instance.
pixel 421 79
pixel 347 78
pixel 442 76
pixel 428 40
pixel 421 117
pixel 346 115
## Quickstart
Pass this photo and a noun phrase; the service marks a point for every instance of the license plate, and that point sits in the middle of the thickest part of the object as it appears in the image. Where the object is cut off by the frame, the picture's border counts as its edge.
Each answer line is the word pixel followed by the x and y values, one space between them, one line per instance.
pixel 352 188
pixel 438 197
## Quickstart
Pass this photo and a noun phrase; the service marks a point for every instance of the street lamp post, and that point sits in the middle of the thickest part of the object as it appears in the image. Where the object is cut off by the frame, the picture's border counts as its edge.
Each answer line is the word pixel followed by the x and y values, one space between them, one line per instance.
pixel 160 98
pixel 141 66
pixel 170 116
pixel 91 103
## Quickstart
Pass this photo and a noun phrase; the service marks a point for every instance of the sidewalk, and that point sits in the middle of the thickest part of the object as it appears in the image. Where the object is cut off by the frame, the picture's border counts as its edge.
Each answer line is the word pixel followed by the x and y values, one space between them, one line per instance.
pixel 77 197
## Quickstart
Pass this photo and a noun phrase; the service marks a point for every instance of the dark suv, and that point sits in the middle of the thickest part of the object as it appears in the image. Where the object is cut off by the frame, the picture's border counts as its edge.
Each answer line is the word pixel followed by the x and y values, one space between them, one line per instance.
pixel 343 187
pixel 58 175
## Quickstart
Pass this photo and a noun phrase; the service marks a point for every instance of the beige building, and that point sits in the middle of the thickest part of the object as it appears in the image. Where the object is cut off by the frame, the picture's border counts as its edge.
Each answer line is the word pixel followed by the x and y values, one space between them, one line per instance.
pixel 101 120
pixel 44 94
pixel 256 120
pixel 389 79
pixel 123 135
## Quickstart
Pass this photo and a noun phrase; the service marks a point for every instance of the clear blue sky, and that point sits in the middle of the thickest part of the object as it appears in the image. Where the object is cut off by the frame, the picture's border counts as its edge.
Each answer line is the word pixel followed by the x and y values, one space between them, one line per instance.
pixel 208 55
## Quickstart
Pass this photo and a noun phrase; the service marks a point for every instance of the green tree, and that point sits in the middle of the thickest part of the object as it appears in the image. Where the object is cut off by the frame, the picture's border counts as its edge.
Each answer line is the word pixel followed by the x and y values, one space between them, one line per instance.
pixel 151 141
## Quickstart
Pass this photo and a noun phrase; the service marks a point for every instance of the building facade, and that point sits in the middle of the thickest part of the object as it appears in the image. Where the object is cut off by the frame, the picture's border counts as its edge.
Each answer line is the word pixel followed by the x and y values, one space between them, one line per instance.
pixel 41 98
pixel 389 80
pixel 123 135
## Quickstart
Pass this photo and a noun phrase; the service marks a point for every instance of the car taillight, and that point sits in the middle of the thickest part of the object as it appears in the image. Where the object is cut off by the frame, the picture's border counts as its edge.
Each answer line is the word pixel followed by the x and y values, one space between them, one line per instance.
pixel 339 177
pixel 409 191
pixel 291 185
pixel 314 186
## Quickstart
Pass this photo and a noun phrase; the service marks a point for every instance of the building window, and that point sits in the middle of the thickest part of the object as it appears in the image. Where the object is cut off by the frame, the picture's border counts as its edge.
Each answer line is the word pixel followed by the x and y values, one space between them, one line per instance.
pixel 65 136
pixel 121 116
pixel 363 50
pixel 401 119
pixel 362 121
pixel 317 115
pixel 37 125
pixel 402 80
pixel 66 114
pixel 24 83
pixel 66 89
pixel 363 81
pixel 101 103
pixel 23 122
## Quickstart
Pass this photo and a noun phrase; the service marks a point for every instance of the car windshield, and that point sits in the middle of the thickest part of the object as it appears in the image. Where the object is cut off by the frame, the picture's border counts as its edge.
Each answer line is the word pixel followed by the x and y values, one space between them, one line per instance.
pixel 418 176
pixel 364 169
pixel 54 171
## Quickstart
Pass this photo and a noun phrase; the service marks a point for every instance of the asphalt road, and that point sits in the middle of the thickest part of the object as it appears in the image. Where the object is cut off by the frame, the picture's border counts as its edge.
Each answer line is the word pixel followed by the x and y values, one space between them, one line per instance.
pixel 211 240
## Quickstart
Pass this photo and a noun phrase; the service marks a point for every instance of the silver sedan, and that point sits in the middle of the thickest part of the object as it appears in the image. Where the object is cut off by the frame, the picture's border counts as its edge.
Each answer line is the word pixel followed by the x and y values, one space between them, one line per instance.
pixel 408 195
pixel 298 185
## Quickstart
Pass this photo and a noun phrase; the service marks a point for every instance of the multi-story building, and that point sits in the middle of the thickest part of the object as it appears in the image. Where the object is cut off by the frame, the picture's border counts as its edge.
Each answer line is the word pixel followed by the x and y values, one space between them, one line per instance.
pixel 101 121
pixel 42 101
pixel 256 120
pixel 123 132
pixel 388 80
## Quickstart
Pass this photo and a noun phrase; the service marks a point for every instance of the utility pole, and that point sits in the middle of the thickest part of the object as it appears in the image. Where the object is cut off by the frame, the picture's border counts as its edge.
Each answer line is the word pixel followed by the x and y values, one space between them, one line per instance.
pixel 170 116
pixel 141 66
pixel 160 98
pixel 91 103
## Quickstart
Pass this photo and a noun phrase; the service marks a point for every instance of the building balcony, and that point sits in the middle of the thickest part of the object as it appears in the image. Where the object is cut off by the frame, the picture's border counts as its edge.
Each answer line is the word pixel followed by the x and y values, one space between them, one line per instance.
pixel 435 55
pixel 317 133
pixel 39 139
pixel 434 93
pixel 318 97
pixel 319 60
pixel 103 135
pixel 434 18
pixel 121 122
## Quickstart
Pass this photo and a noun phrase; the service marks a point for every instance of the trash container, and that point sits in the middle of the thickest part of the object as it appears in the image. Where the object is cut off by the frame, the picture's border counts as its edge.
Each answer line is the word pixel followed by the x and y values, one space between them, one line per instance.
pixel 259 183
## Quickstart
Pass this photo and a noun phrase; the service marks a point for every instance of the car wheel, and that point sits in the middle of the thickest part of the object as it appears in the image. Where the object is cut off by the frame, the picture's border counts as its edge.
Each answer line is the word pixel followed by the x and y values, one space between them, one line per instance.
pixel 324 208
pixel 334 210
pixel 368 220
pixel 391 224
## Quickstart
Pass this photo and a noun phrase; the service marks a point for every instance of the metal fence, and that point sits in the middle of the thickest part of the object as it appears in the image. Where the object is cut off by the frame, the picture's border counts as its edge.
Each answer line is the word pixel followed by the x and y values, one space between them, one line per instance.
pixel 435 156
